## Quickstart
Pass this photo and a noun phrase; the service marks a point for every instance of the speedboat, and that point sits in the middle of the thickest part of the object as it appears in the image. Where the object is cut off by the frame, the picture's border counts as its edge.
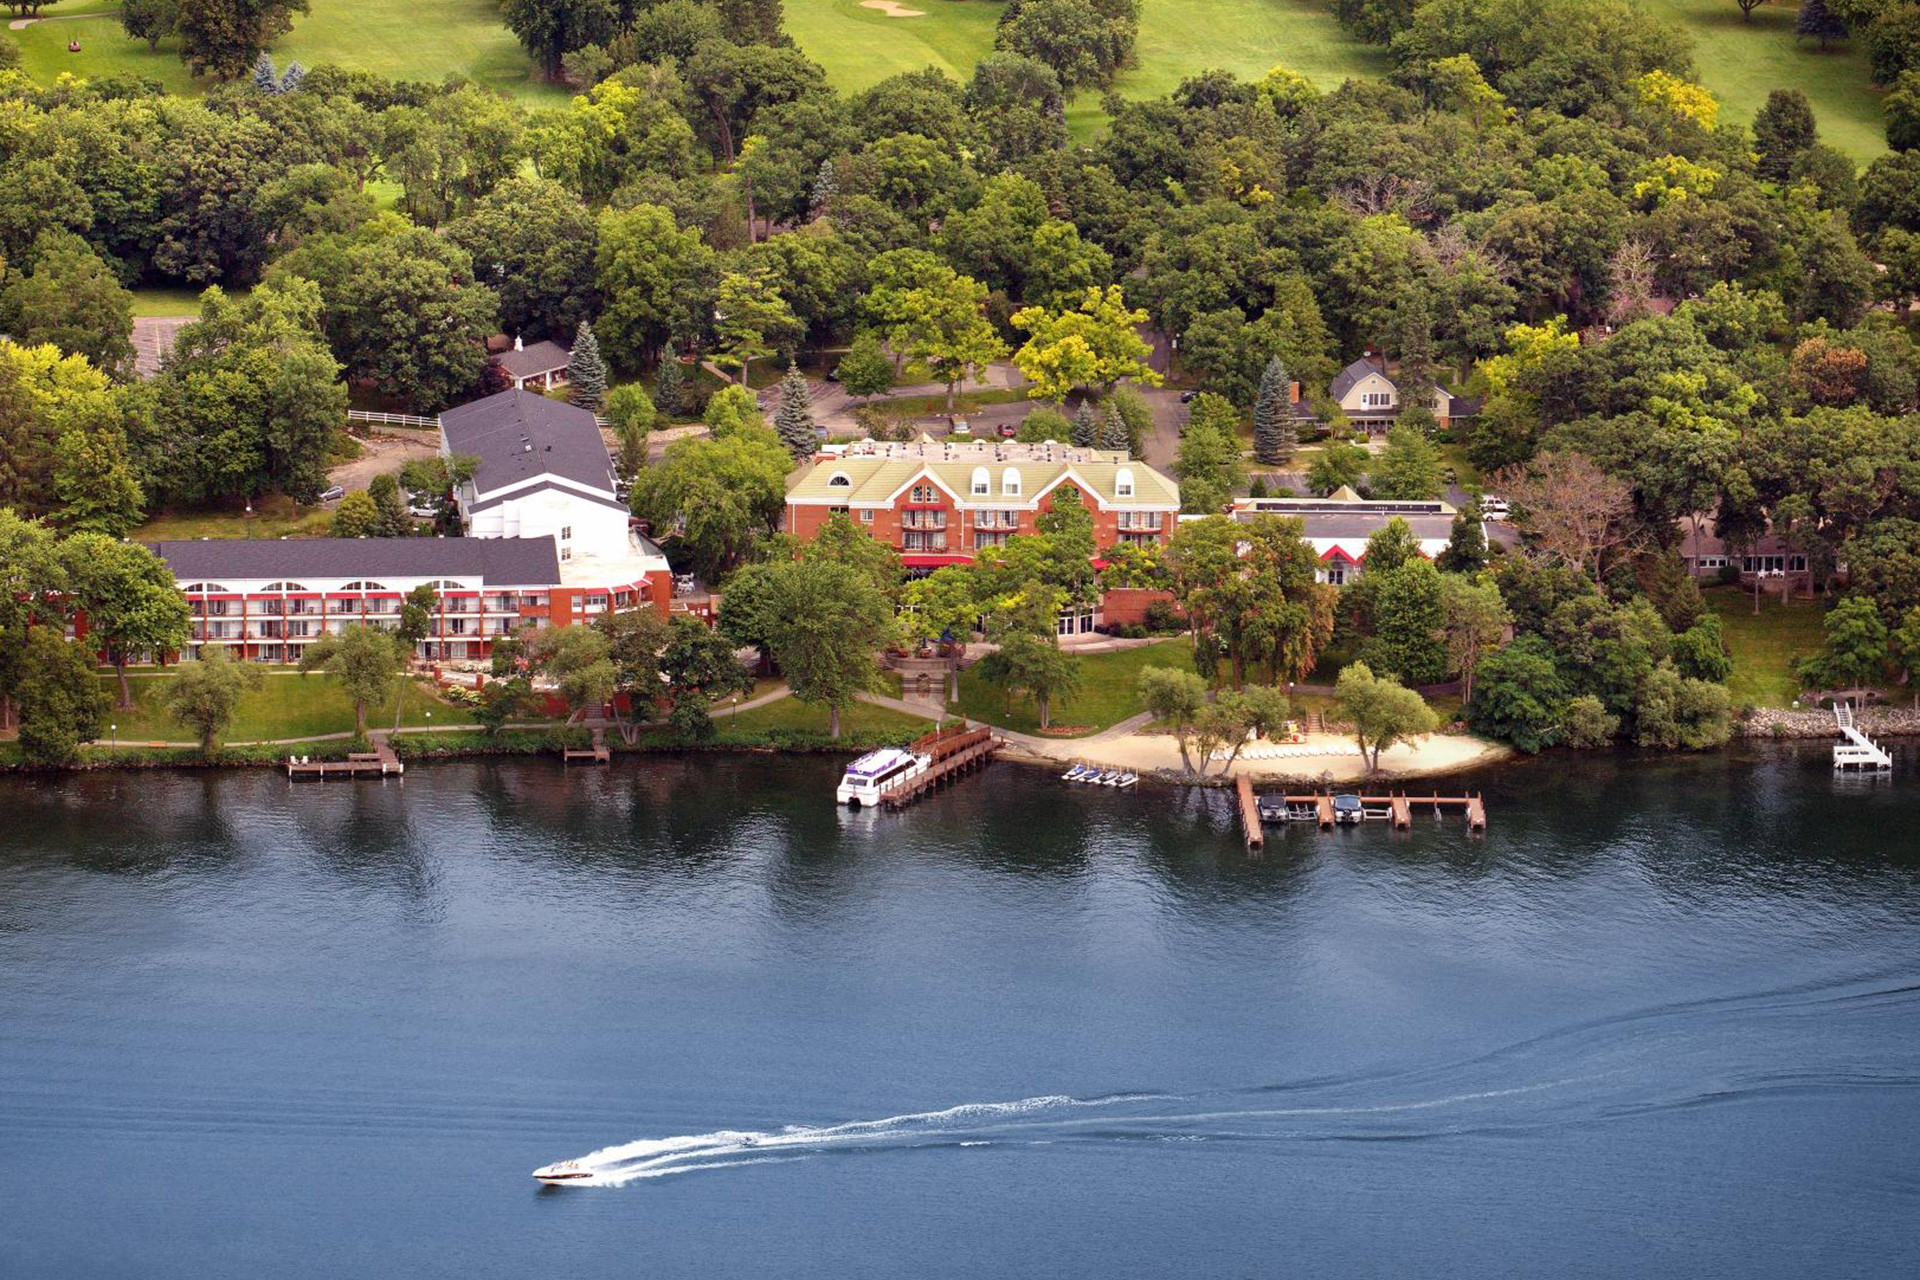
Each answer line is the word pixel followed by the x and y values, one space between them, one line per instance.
pixel 875 773
pixel 564 1171
pixel 1347 810
pixel 1076 774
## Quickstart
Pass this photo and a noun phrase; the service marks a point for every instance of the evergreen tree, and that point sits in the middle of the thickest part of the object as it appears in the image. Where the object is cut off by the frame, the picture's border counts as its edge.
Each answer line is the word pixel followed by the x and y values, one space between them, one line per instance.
pixel 1274 433
pixel 292 78
pixel 794 418
pixel 1820 22
pixel 586 371
pixel 265 79
pixel 1415 380
pixel 670 383
pixel 1467 545
pixel 824 189
pixel 1086 426
pixel 1113 430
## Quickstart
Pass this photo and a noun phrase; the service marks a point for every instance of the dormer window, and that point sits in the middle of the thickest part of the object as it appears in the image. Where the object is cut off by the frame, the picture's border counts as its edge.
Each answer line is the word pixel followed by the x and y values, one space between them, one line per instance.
pixel 1123 483
pixel 839 480
pixel 1010 482
pixel 982 482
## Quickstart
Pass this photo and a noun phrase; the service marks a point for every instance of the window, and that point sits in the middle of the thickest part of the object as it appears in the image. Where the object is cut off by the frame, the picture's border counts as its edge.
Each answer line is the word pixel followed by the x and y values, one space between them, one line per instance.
pixel 1010 483
pixel 566 553
pixel 839 480
pixel 566 533
pixel 596 602
pixel 365 586
pixel 835 511
pixel 982 482
pixel 278 586
pixel 926 541
pixel 923 519
pixel 996 519
pixel 990 538
pixel 923 493
pixel 1123 482
pixel 866 515
pixel 1337 574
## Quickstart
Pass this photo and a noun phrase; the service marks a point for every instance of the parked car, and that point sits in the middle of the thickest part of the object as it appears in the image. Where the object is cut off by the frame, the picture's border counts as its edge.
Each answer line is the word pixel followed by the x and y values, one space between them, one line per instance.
pixel 332 493
pixel 959 426
pixel 424 511
pixel 1493 508
pixel 1009 430
pixel 1186 397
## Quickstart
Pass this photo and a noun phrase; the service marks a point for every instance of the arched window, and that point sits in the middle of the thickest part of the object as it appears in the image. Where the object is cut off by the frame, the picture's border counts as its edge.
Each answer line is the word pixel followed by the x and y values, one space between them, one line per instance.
pixel 448 584
pixel 1010 482
pixel 839 480
pixel 283 586
pixel 982 482
pixel 1123 482
pixel 365 586
pixel 204 588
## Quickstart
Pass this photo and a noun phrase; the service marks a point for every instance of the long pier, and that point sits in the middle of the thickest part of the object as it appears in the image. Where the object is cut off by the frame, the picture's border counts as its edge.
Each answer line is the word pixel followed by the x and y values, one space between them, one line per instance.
pixel 595 754
pixel 380 761
pixel 1396 807
pixel 954 752
pixel 1250 827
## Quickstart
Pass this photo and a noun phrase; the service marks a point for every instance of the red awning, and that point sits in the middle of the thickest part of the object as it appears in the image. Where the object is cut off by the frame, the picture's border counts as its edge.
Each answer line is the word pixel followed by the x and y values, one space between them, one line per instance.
pixel 933 562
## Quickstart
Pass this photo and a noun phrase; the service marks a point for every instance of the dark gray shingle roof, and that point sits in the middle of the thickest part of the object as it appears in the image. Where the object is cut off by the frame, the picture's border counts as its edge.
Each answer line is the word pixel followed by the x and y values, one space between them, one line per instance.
pixel 1346 379
pixel 541 357
pixel 519 435
pixel 519 562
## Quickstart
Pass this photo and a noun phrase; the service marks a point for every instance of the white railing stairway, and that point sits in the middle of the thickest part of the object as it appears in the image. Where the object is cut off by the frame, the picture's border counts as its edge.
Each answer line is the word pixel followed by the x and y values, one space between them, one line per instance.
pixel 1858 751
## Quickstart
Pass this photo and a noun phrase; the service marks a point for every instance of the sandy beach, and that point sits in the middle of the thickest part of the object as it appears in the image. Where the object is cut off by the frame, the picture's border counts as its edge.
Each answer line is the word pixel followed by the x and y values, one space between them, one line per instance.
pixel 1335 760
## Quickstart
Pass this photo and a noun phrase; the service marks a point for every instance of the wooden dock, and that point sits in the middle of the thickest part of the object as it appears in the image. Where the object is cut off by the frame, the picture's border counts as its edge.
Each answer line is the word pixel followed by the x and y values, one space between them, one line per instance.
pixel 380 762
pixel 954 752
pixel 1249 813
pixel 1397 807
pixel 595 754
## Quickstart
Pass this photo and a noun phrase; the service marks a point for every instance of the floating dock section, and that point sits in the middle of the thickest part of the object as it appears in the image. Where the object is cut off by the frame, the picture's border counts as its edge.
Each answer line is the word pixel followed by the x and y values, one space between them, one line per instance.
pixel 595 754
pixel 954 753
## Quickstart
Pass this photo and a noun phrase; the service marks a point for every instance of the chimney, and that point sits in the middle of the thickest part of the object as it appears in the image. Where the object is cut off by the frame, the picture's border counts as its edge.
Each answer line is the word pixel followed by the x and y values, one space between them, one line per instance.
pixel 1293 392
pixel 518 344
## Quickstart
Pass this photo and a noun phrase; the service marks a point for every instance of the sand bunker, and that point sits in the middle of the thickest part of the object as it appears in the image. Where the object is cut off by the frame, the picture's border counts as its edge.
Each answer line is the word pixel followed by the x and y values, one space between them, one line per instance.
pixel 892 10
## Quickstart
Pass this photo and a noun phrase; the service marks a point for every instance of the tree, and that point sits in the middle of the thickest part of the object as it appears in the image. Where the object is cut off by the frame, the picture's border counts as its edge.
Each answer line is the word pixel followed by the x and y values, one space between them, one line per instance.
pixel 58 697
pixel 1519 695
pixel 657 280
pixel 586 371
pixel 130 600
pixel 1674 711
pixel 408 316
pixel 670 383
pixel 633 640
pixel 149 20
pixel 1902 109
pixel 1338 465
pixel 1274 432
pixel 226 37
pixel 1409 470
pixel 940 609
pixel 1381 710
pixel 364 659
pixel 700 667
pixel 1263 606
pixel 1906 648
pixel 719 495
pixel 391 518
pixel 631 412
pixel 793 420
pixel 821 620
pixel 1085 428
pixel 71 299
pixel 1209 463
pixel 355 517
pixel 1855 650
pixel 534 243
pixel 1473 617
pixel 1406 613
pixel 1575 512
pixel 1095 342
pixel 1700 651
pixel 1466 545
pixel 1783 129
pixel 1033 664
pixel 98 489
pixel 947 328
pixel 865 370
pixel 1747 7
pixel 202 696
pixel 1586 724
pixel 1202 728
pixel 1113 431
pixel 266 79
pixel 551 29
pixel 1820 22
pixel 1085 42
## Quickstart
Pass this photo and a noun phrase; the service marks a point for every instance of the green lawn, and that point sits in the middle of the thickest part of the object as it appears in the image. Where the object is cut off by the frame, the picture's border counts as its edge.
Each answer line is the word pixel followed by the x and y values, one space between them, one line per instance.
pixel 275 516
pixel 1107 694
pixel 1743 62
pixel 284 706
pixel 860 47
pixel 405 39
pixel 859 721
pixel 1764 645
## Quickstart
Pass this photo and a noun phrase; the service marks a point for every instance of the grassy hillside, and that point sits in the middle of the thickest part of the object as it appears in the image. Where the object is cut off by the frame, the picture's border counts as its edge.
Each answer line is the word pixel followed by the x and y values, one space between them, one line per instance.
pixel 1743 62
pixel 860 47
pixel 405 39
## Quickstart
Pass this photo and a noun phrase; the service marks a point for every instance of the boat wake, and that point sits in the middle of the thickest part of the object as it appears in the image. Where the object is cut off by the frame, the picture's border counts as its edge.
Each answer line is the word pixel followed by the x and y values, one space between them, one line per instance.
pixel 1702 1053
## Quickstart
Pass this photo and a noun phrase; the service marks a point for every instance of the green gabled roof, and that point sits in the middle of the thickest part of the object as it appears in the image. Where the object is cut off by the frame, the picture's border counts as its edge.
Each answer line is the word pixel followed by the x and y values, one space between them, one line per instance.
pixel 875 481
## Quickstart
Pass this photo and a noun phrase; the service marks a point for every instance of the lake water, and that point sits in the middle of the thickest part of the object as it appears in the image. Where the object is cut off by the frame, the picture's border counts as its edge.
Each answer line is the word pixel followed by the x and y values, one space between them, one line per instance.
pixel 1662 1020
